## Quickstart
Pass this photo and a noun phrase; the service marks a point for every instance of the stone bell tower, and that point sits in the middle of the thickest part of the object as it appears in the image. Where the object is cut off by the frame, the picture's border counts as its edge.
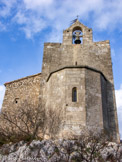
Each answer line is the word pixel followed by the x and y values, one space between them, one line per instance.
pixel 78 80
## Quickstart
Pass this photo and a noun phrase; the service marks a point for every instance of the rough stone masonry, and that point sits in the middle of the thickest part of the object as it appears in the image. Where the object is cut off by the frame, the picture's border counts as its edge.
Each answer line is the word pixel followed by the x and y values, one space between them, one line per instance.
pixel 76 79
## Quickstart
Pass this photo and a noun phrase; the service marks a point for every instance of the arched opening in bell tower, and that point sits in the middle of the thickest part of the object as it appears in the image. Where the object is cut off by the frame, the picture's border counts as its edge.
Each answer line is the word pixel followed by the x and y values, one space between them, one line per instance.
pixel 77 35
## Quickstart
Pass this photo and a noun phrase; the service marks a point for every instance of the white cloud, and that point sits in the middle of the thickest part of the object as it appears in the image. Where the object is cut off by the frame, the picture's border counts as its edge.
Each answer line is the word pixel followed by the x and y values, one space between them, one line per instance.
pixel 37 4
pixel 2 92
pixel 119 97
pixel 29 25
pixel 35 15
pixel 2 27
pixel 110 16
pixel 6 7
pixel 106 14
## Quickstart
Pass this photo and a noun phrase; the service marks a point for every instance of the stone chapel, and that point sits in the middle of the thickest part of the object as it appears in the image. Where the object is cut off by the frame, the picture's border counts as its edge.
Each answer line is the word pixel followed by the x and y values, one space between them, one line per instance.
pixel 77 78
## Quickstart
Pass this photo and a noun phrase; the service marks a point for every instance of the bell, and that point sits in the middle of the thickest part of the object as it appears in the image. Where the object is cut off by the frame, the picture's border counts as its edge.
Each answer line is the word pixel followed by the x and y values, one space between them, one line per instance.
pixel 77 37
pixel 77 41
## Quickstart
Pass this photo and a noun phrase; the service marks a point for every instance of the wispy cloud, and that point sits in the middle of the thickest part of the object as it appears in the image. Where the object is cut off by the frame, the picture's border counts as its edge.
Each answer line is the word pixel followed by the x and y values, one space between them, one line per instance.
pixel 2 92
pixel 2 27
pixel 33 16
pixel 29 23
pixel 119 97
pixel 6 7
pixel 37 4
pixel 110 16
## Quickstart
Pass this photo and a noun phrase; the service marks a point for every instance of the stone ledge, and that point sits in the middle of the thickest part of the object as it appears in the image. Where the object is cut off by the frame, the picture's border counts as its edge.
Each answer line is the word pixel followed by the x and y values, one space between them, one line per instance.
pixel 68 67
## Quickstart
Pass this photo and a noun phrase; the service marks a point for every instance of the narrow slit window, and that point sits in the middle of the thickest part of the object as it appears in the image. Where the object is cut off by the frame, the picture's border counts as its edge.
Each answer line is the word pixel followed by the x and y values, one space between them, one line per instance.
pixel 74 94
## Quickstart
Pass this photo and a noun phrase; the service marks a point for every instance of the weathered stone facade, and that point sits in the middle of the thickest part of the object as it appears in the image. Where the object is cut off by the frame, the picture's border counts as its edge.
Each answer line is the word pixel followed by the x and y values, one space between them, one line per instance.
pixel 88 68
pixel 21 90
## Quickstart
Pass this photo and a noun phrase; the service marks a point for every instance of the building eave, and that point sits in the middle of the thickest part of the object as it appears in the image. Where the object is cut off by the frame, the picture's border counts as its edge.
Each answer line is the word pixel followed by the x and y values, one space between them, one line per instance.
pixel 22 79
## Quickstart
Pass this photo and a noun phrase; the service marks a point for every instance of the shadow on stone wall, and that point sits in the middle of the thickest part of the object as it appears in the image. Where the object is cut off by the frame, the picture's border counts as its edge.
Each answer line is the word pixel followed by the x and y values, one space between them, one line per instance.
pixel 112 113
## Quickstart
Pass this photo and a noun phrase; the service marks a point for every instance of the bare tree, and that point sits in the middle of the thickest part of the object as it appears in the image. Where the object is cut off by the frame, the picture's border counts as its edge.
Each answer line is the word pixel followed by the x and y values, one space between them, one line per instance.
pixel 53 122
pixel 92 142
pixel 23 122
pixel 28 122
pixel 85 149
pixel 91 146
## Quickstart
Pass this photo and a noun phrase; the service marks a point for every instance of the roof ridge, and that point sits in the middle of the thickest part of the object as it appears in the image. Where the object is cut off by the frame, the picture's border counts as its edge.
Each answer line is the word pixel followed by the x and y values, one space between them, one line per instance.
pixel 21 79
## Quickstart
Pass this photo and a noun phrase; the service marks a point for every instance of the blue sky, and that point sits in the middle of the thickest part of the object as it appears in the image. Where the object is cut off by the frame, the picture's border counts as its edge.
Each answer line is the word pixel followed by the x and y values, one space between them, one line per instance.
pixel 26 24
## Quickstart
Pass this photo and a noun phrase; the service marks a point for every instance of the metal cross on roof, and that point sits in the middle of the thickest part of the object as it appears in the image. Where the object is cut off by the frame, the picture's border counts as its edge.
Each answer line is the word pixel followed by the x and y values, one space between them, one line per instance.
pixel 77 17
pixel 73 21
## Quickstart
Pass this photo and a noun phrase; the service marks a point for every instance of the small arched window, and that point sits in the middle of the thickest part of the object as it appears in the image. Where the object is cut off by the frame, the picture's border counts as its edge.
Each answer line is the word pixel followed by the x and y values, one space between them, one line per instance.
pixel 16 100
pixel 74 94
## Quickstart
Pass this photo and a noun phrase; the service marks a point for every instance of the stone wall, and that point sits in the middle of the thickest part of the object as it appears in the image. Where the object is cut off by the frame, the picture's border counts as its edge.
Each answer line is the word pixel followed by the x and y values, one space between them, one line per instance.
pixel 104 103
pixel 58 96
pixel 93 100
pixel 99 86
pixel 19 91
pixel 90 110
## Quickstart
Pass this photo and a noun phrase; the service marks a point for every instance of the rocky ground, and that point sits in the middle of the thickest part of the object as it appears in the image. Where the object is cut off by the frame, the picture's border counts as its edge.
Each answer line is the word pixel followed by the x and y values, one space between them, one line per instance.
pixel 58 151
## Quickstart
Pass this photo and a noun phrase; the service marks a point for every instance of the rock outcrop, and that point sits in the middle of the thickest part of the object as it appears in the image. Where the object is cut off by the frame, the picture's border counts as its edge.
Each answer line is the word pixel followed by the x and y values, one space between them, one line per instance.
pixel 58 151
